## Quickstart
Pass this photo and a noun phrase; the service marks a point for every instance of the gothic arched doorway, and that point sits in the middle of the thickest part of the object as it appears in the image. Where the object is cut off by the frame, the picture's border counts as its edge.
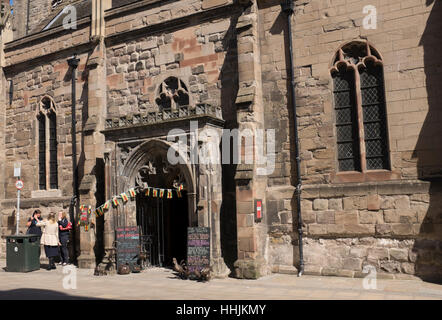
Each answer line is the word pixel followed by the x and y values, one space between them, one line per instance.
pixel 162 220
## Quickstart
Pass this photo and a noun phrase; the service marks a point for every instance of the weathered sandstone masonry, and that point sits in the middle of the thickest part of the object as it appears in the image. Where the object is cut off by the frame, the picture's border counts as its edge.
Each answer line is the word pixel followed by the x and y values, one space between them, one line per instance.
pixel 224 63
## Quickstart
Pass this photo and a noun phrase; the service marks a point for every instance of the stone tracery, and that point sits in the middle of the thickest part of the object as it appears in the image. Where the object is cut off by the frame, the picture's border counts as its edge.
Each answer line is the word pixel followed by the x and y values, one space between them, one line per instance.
pixel 172 94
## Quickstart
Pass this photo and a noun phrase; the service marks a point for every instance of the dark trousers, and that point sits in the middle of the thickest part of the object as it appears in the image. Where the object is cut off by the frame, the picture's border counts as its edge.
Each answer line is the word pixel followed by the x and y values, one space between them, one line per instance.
pixel 64 239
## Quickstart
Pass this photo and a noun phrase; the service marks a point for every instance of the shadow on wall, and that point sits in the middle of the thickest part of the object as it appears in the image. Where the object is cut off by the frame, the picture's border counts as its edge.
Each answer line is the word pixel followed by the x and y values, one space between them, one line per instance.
pixel 229 91
pixel 278 28
pixel 428 152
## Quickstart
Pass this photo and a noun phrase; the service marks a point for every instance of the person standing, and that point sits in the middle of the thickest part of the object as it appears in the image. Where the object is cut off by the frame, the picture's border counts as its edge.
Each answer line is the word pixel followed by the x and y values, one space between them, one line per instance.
pixel 64 228
pixel 32 223
pixel 49 239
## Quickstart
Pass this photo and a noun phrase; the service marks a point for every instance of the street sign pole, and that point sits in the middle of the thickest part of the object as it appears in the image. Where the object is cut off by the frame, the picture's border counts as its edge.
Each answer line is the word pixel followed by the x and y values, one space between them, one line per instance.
pixel 18 210
pixel 19 186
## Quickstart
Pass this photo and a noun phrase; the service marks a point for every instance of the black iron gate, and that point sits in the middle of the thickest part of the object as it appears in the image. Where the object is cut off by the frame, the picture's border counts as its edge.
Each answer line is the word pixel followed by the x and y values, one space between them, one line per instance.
pixel 150 219
pixel 163 228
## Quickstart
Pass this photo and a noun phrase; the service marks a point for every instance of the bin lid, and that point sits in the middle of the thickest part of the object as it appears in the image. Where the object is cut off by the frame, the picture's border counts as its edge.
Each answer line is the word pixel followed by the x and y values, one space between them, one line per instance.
pixel 21 236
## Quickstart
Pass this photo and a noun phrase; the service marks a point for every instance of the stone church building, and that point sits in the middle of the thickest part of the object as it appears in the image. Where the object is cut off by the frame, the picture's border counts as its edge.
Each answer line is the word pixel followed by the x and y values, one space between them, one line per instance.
pixel 357 172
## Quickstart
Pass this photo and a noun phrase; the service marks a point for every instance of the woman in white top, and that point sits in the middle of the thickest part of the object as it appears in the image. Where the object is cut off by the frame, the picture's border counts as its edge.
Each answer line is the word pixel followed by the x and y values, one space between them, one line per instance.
pixel 50 239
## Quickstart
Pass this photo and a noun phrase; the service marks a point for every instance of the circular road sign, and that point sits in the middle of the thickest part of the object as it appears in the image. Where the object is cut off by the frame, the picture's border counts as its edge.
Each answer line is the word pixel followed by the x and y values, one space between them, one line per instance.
pixel 19 184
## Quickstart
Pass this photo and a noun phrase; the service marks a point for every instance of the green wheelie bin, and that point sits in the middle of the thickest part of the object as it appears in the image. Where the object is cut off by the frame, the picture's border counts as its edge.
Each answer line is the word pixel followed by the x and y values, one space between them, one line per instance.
pixel 22 253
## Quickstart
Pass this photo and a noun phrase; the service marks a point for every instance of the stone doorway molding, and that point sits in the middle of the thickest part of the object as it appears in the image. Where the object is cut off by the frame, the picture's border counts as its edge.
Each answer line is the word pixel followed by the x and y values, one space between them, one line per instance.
pixel 140 158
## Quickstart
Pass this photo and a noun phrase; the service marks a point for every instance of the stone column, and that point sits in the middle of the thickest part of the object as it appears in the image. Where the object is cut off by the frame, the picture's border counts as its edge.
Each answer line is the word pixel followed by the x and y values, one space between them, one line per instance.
pixel 93 139
pixel 5 36
pixel 210 190
pixel 249 186
pixel 214 191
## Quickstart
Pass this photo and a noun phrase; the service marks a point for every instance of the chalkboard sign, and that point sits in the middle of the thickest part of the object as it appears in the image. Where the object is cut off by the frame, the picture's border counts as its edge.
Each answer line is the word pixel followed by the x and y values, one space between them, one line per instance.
pixel 198 248
pixel 128 245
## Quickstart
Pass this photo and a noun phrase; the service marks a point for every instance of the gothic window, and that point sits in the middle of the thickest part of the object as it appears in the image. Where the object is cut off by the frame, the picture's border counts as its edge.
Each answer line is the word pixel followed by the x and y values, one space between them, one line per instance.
pixel 346 121
pixel 47 145
pixel 361 120
pixel 42 151
pixel 172 94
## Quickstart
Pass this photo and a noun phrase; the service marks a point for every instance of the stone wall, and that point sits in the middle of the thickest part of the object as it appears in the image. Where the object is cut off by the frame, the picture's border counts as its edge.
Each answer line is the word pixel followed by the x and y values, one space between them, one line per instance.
pixel 388 219
pixel 21 140
pixel 38 11
pixel 374 218
pixel 8 215
pixel 347 212
pixel 403 33
pixel 198 55
pixel 34 69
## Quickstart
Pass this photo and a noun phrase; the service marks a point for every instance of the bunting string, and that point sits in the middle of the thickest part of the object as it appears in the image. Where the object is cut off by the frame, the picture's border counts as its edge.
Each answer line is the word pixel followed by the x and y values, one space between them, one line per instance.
pixel 123 198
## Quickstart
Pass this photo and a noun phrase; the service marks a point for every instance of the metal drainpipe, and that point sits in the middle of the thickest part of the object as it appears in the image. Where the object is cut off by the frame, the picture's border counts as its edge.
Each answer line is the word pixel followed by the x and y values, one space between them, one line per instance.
pixel 27 18
pixel 73 63
pixel 288 8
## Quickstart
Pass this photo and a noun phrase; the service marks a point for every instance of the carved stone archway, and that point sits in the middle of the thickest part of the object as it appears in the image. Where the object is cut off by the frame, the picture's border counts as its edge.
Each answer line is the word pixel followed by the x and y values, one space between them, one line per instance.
pixel 151 156
pixel 139 166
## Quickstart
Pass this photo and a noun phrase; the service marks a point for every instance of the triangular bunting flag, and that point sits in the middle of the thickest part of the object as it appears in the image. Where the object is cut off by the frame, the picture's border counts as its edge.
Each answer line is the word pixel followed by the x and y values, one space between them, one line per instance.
pixel 155 193
pixel 178 192
pixel 161 193
pixel 106 206
pixel 169 194
pixel 115 201
pixel 147 192
pixel 124 197
pixel 132 193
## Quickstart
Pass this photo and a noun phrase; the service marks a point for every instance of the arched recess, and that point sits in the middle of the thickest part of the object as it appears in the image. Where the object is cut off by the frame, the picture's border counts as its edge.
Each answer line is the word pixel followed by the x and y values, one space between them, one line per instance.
pixel 360 108
pixel 47 147
pixel 141 155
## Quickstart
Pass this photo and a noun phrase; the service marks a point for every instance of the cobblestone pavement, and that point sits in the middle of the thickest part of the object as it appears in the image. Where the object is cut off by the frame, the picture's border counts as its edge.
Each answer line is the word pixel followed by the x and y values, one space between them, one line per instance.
pixel 157 283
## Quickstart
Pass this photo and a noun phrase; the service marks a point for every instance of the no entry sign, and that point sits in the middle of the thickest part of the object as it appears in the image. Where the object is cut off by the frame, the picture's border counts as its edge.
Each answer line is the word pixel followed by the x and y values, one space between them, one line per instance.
pixel 19 184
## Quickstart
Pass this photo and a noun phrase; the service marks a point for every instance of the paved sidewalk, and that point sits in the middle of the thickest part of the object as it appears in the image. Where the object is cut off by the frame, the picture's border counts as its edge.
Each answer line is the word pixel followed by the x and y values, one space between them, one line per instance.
pixel 160 283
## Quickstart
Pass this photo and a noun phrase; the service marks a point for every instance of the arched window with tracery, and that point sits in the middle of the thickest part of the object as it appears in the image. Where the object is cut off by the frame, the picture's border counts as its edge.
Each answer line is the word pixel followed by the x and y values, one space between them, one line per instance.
pixel 172 94
pixel 47 145
pixel 359 100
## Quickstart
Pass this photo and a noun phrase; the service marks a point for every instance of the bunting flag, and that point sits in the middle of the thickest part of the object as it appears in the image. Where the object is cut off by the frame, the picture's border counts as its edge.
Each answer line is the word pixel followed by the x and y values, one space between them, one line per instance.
pixel 84 217
pixel 115 202
pixel 83 214
pixel 86 211
pixel 124 197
